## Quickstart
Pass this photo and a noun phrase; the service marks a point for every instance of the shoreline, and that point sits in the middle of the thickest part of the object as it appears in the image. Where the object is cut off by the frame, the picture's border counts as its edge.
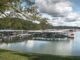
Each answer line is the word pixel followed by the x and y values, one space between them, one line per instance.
pixel 31 56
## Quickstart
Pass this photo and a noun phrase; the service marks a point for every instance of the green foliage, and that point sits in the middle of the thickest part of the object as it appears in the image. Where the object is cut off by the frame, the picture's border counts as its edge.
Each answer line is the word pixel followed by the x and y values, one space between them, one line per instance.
pixel 5 4
pixel 15 23
pixel 6 1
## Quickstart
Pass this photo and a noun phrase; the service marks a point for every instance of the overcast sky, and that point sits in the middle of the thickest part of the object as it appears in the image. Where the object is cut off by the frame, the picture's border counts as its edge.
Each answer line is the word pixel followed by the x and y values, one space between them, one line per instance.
pixel 62 12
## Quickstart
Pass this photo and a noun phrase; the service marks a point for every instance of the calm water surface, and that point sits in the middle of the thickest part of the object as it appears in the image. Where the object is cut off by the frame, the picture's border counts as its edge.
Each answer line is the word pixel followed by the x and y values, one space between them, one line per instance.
pixel 67 47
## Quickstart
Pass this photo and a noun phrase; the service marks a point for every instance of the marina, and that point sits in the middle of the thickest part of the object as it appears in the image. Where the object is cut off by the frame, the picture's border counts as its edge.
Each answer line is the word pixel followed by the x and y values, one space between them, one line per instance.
pixel 35 34
pixel 62 47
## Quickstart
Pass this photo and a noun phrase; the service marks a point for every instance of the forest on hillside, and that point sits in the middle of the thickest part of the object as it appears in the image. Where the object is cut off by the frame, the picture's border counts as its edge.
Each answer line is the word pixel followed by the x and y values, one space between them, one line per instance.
pixel 14 16
pixel 15 23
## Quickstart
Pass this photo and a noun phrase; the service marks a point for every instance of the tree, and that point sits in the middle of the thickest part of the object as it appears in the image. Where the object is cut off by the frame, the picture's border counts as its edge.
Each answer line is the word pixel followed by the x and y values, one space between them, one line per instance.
pixel 18 22
pixel 6 5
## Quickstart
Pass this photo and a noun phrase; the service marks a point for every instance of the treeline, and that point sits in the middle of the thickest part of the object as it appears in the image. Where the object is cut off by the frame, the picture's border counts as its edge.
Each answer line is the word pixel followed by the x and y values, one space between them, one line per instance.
pixel 16 23
pixel 65 27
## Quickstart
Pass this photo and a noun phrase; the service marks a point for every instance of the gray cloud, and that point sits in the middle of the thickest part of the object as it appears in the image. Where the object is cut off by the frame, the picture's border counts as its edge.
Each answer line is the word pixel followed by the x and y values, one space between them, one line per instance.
pixel 61 9
pixel 54 7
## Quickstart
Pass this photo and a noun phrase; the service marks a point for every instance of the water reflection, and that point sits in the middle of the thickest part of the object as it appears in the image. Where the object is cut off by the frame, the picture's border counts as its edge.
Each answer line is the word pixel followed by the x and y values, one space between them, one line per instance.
pixel 66 47
pixel 43 47
pixel 76 45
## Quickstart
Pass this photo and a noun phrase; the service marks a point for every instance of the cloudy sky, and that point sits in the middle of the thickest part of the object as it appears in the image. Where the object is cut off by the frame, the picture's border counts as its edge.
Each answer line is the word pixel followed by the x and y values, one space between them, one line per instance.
pixel 60 12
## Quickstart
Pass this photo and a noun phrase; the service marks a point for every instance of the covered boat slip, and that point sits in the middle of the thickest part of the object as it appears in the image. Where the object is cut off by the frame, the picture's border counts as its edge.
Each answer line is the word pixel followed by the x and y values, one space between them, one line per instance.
pixel 50 36
pixel 12 35
pixel 35 34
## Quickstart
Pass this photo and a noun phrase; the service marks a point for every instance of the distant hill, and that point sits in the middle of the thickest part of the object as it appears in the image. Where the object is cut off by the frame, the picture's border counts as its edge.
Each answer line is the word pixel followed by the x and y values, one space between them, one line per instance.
pixel 65 27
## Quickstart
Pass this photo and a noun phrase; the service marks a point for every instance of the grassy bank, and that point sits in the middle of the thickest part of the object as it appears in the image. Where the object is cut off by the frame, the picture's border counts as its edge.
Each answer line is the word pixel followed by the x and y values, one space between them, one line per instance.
pixel 10 55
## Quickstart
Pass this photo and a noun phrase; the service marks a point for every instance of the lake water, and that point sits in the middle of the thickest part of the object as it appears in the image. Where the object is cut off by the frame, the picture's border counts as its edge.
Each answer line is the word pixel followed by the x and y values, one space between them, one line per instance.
pixel 66 47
